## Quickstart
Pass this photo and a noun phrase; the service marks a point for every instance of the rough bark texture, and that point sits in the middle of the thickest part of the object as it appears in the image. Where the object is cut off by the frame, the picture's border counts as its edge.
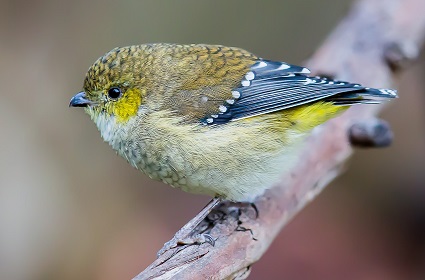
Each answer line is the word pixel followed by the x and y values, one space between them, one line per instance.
pixel 377 39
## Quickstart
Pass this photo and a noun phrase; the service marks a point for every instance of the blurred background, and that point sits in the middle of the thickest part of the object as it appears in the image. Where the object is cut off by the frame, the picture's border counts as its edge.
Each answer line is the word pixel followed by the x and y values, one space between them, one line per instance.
pixel 70 208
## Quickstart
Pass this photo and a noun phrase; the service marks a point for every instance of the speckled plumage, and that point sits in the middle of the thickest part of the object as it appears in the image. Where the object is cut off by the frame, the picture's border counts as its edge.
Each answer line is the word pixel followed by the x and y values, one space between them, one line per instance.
pixel 210 119
pixel 202 74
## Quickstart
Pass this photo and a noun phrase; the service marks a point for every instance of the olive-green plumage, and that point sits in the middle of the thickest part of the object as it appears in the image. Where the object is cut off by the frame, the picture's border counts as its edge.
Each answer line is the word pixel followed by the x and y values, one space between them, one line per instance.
pixel 201 74
pixel 209 119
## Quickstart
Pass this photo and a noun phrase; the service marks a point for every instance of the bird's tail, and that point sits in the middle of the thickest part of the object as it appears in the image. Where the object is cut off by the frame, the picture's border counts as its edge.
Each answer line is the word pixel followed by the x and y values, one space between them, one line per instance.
pixel 363 96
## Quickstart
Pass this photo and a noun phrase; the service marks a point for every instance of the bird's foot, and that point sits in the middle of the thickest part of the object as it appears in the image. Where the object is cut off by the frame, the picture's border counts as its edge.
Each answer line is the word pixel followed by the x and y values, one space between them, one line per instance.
pixel 197 239
pixel 240 222
pixel 193 233
pixel 197 231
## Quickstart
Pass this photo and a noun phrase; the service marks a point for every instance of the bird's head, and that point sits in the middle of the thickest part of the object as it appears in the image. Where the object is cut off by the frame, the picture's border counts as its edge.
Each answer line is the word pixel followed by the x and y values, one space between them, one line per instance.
pixel 114 86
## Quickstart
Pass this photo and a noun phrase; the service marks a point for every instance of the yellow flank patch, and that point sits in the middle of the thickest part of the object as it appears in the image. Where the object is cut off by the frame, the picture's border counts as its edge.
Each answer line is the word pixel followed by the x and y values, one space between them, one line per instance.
pixel 308 116
pixel 299 120
pixel 127 106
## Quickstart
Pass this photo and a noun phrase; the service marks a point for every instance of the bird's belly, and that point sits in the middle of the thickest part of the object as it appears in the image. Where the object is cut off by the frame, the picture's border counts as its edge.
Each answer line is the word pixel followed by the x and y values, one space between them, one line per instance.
pixel 238 183
pixel 238 166
pixel 164 169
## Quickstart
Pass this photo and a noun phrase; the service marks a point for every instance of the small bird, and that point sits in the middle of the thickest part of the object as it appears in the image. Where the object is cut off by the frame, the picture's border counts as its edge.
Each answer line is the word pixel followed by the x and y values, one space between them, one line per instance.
pixel 210 119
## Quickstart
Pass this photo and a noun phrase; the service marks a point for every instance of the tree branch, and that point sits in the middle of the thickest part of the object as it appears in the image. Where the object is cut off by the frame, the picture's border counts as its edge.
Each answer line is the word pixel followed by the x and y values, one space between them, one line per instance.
pixel 375 40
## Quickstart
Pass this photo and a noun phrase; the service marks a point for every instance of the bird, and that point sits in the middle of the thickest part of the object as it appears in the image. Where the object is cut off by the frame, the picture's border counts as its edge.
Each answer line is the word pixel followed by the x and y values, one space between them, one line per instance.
pixel 211 119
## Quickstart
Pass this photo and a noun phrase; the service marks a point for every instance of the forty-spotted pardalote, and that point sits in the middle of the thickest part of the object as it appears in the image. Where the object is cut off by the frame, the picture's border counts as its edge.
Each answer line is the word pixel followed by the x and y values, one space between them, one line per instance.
pixel 209 119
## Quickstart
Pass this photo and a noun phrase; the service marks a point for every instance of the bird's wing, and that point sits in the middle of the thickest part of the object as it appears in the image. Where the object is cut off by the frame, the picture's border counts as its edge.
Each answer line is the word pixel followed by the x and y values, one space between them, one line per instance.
pixel 272 86
pixel 218 84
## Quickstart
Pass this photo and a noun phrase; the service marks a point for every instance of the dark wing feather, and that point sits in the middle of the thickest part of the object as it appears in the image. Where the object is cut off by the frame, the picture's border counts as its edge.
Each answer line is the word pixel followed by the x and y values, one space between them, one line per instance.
pixel 273 86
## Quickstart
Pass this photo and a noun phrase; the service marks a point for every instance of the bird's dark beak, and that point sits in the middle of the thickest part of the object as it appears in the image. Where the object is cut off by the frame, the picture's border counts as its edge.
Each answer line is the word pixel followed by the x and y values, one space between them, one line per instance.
pixel 79 100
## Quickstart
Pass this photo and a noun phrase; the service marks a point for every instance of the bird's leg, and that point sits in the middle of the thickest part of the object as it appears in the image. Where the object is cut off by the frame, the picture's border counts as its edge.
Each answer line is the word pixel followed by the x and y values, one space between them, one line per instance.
pixel 188 233
pixel 238 208
pixel 242 228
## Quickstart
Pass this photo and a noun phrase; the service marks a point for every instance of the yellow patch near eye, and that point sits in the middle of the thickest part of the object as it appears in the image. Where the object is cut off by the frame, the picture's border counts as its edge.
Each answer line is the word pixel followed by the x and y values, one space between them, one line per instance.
pixel 128 105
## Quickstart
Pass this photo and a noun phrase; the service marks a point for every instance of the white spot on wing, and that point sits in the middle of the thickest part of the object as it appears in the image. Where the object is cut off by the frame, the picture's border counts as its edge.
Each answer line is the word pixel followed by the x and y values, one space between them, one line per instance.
pixel 250 76
pixel 210 120
pixel 246 83
pixel 309 81
pixel 283 66
pixel 222 108
pixel 236 94
pixel 230 101
pixel 261 64
pixel 305 71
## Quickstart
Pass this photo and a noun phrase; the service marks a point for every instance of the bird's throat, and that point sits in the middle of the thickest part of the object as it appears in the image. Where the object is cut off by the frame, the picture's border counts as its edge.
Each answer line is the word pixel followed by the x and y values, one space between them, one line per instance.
pixel 111 130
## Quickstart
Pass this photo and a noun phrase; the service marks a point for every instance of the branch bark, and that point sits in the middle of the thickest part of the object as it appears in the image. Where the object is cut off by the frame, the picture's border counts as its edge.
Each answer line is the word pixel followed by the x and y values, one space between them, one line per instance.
pixel 375 40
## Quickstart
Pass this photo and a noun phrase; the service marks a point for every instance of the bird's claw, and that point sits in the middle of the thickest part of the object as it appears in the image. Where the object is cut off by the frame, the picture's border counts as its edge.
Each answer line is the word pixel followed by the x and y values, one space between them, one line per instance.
pixel 197 239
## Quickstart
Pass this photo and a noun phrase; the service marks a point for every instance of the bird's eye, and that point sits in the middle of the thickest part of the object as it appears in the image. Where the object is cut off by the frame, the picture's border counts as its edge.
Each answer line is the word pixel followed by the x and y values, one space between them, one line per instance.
pixel 114 92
